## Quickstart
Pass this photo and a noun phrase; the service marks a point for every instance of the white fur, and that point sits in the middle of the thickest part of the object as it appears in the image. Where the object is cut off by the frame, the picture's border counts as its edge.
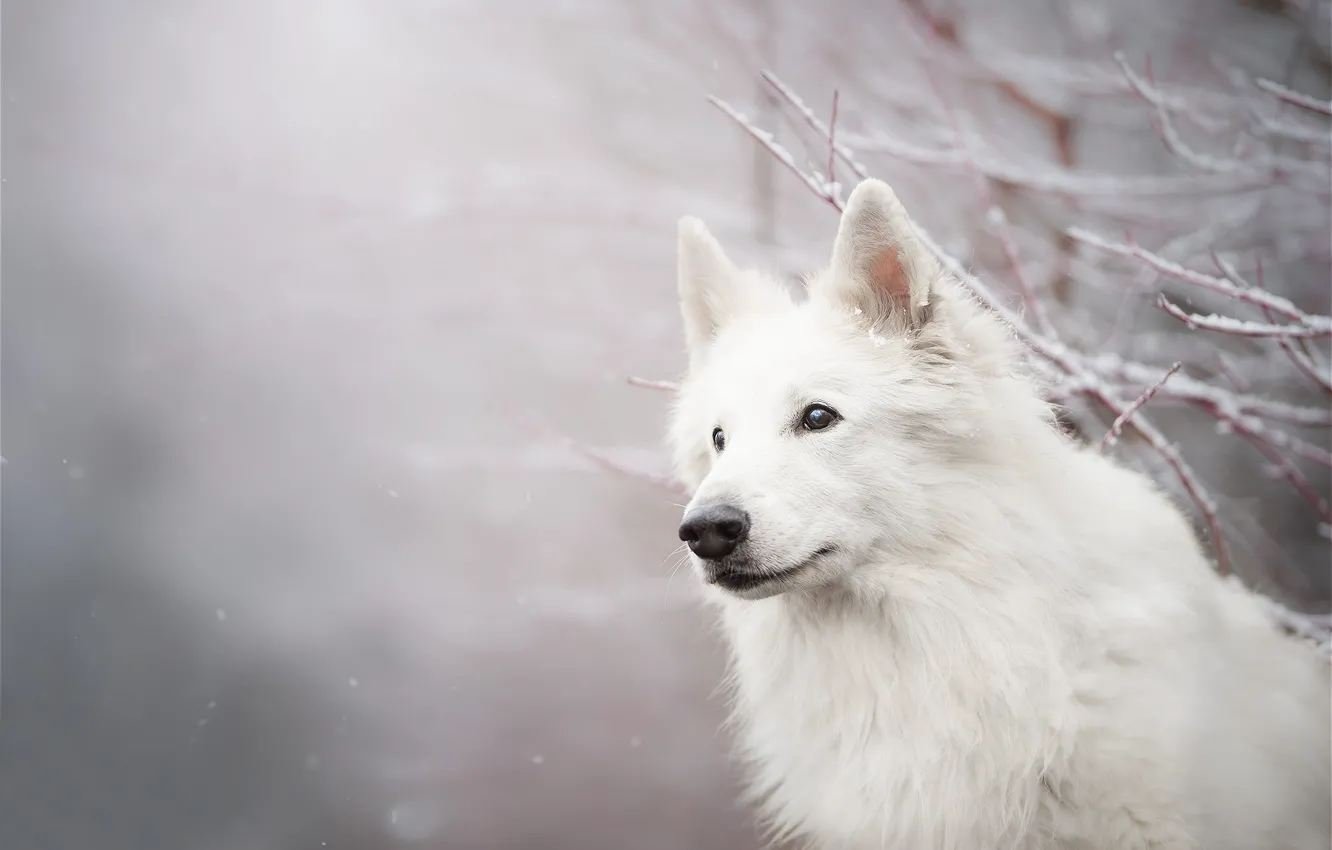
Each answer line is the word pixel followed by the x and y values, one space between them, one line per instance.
pixel 1018 643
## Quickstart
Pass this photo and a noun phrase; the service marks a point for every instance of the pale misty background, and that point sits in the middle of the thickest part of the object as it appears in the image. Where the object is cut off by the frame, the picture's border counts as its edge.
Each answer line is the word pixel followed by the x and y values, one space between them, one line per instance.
pixel 308 309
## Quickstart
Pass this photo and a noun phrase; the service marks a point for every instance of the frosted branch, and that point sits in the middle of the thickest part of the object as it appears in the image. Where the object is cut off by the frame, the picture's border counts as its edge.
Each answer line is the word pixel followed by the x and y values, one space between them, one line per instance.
pixel 1239 327
pixel 1289 95
pixel 1112 436
pixel 649 384
pixel 1145 88
pixel 763 137
pixel 1251 295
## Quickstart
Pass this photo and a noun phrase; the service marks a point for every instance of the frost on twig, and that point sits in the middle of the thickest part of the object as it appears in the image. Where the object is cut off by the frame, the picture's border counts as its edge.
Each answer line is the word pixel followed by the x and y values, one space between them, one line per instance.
pixel 1249 294
pixel 1313 104
pixel 1240 327
pixel 1145 87
pixel 1117 427
pixel 649 384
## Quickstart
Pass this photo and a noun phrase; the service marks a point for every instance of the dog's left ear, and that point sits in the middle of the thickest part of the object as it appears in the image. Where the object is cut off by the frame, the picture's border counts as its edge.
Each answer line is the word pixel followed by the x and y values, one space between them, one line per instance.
pixel 713 291
pixel 879 265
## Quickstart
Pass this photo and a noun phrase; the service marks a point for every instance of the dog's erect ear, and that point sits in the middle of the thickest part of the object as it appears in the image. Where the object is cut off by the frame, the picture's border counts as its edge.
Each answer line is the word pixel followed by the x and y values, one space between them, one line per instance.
pixel 879 265
pixel 712 289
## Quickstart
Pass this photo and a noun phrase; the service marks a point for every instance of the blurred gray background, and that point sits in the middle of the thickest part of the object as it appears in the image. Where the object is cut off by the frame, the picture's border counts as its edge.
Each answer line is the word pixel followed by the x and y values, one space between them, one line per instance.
pixel 308 307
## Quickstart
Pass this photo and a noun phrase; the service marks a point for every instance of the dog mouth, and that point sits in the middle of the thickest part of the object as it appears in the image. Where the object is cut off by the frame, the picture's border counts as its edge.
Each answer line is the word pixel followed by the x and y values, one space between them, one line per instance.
pixel 738 580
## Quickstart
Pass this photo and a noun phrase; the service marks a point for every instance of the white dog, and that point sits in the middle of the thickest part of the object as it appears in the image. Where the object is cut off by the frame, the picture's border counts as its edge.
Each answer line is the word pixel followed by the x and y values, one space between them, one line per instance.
pixel 951 626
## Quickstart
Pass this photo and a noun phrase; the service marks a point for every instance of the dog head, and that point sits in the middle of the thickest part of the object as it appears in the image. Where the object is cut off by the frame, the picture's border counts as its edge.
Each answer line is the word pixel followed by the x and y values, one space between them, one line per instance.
pixel 821 436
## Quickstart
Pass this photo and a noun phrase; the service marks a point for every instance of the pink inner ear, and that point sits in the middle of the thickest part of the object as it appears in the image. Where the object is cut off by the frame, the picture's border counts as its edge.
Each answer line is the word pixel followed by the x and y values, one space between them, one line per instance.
pixel 889 276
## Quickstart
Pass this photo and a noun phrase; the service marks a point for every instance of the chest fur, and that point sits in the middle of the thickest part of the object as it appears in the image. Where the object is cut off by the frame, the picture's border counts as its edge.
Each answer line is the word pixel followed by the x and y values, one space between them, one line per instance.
pixel 875 732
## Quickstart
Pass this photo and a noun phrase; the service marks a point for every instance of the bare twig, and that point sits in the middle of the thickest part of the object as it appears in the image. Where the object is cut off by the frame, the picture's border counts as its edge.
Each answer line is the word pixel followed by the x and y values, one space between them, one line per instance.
pixel 1289 95
pixel 832 146
pixel 763 137
pixel 1251 295
pixel 994 213
pixel 1237 327
pixel 1060 182
pixel 1299 352
pixel 1304 362
pixel 1213 398
pixel 1145 87
pixel 649 384
pixel 1112 436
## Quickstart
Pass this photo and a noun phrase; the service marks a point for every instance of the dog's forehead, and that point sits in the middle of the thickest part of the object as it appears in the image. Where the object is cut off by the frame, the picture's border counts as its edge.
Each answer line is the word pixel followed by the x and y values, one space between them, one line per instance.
pixel 771 361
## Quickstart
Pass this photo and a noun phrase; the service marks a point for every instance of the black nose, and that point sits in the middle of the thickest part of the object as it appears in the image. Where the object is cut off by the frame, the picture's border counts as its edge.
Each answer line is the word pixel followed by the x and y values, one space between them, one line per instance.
pixel 713 531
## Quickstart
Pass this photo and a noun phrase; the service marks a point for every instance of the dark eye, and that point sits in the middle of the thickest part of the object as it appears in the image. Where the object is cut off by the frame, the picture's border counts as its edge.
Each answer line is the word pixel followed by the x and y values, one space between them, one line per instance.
pixel 817 417
pixel 718 439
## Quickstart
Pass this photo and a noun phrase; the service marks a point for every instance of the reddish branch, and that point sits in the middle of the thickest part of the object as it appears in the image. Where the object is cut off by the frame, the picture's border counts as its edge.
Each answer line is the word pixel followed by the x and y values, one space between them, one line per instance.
pixel 1313 104
pixel 1254 295
pixel 1236 327
pixel 1060 125
pixel 1112 436
pixel 1059 182
pixel 994 213
pixel 1260 166
pixel 1298 351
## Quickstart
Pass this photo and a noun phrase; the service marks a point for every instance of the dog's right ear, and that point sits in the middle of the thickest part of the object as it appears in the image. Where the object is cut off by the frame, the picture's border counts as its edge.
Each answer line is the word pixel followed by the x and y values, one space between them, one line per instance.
pixel 712 289
pixel 879 266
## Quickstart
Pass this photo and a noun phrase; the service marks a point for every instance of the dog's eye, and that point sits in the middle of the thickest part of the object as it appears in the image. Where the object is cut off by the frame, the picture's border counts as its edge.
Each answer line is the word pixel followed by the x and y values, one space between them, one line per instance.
pixel 718 439
pixel 817 417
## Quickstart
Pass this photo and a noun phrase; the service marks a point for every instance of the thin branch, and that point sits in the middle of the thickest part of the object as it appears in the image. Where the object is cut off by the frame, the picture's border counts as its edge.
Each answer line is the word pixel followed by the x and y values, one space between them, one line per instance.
pixel 1304 362
pixel 1291 474
pixel 1289 95
pixel 1057 181
pixel 994 213
pixel 832 145
pixel 1251 295
pixel 1146 89
pixel 1238 327
pixel 763 137
pixel 1201 498
pixel 1213 399
pixel 649 384
pixel 1301 355
pixel 1112 436
pixel 1277 128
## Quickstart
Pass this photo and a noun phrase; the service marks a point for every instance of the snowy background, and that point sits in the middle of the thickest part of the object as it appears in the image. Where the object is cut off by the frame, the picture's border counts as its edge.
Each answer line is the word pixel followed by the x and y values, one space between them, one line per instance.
pixel 308 309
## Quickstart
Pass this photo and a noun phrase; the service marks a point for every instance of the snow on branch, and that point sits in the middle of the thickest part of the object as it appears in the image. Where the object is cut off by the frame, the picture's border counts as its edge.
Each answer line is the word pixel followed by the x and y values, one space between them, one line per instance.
pixel 1249 294
pixel 1313 104
pixel 1117 427
pixel 1239 327
pixel 1145 87
pixel 1218 400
